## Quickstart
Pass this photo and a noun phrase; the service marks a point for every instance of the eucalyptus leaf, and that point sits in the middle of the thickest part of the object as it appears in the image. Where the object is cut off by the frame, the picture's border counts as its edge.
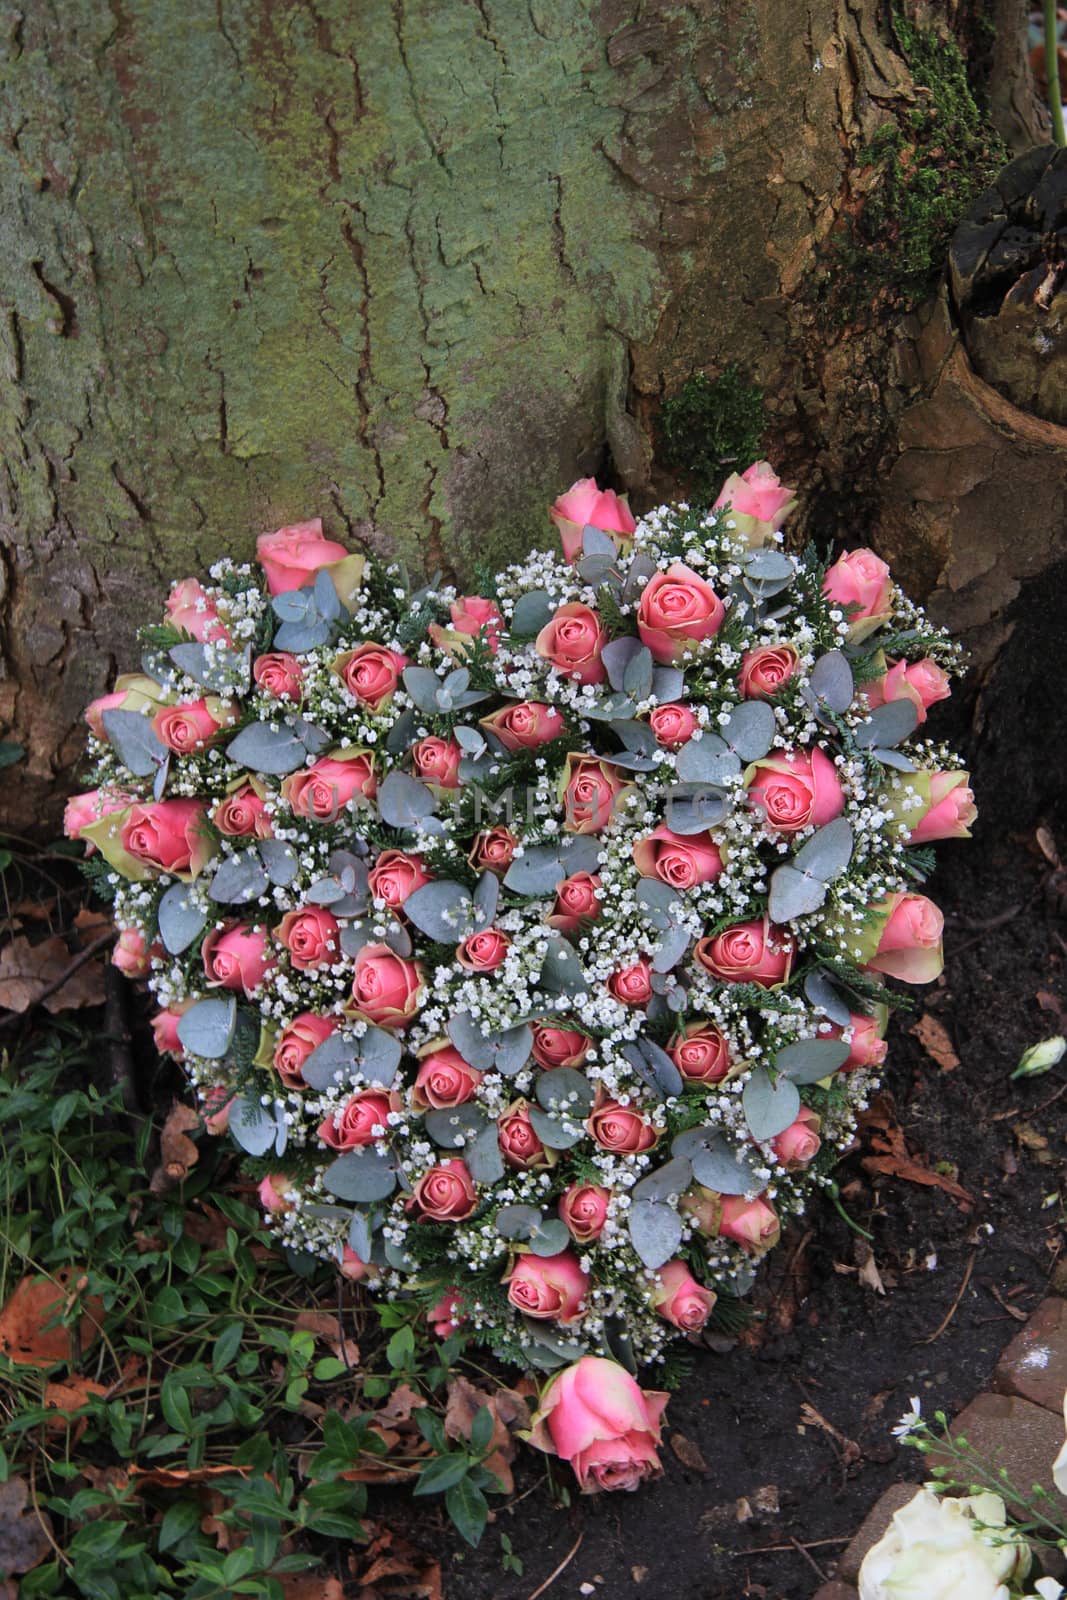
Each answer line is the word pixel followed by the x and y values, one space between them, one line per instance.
pixel 827 853
pixel 361 1175
pixel 636 736
pixel 668 683
pixel 661 903
pixel 518 1221
pixel 562 971
pixel 207 1028
pixel 483 1156
pixel 673 1178
pixel 486 899
pixel 239 879
pixel 595 542
pixel 537 871
pixel 707 761
pixel 453 1126
pixel 216 668
pixel 637 678
pixel 672 946
pixel 267 747
pixel 441 910
pixel 401 735
pixel 552 1132
pixel 505 1052
pixel 654 1067
pixel 832 680
pixel 423 687
pixel 750 729
pixel 715 1165
pixel 325 595
pixel 887 725
pixel 825 998
pixel 894 759
pixel 794 894
pixel 769 566
pixel 300 637
pixel 549 1238
pixel 695 807
pixel 180 921
pixel 617 656
pixel 533 611
pixel 810 1060
pixel 361 1234
pixel 159 782
pixel 403 801
pixel 280 860
pixel 655 1231
pixel 564 1088
pixel 134 741
pixel 251 1125
pixel 769 1105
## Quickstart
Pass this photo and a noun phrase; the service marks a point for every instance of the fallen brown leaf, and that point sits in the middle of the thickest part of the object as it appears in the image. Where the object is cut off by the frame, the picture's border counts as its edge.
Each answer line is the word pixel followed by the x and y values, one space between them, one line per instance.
pixel 892 1157
pixel 91 924
pixel 509 1411
pixel 178 1477
pixel 35 1301
pixel 24 1535
pixel 406 1572
pixel 402 1401
pixel 28 970
pixel 177 1152
pixel 934 1038
pixel 326 1325
pixel 688 1453
pixel 870 1275
pixel 311 1586
pixel 65 1399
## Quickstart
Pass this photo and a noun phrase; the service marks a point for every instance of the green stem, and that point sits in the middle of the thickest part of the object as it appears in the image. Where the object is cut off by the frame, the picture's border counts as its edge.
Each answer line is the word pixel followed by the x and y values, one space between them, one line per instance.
pixel 1052 72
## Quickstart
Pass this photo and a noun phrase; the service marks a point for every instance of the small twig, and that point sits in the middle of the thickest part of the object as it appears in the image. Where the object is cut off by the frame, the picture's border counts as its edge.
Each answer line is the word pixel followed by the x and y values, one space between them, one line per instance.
pixel 1013 1311
pixel 989 927
pixel 809 1544
pixel 810 1559
pixel 567 1559
pixel 954 1307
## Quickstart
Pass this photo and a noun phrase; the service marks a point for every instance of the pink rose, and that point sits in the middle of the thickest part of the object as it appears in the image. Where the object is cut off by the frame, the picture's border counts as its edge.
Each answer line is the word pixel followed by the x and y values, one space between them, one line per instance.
pixel 519 1144
pixel 82 810
pixel 291 556
pixel 132 955
pixel 632 986
pixel 362 1120
pixel 583 1207
pixel 276 1193
pixel 354 1268
pixel 757 500
pixel 861 580
pixel 371 673
pixel 596 1416
pixel 243 813
pixel 483 951
pixel 677 609
pixel 444 1080
pixel 493 850
pixel 585 506
pixel 445 1193
pixel 946 809
pixel 908 929
pixel 217 1103
pixel 921 682
pixel 550 1288
pixel 296 1042
pixel 169 835
pixel 385 987
pixel 236 956
pixel 192 725
pixel 572 643
pixel 700 1053
pixel 446 1316
pixel 559 1047
pixel 868 1048
pixel 797 789
pixel 749 952
pixel 621 1129
pixel 525 726
pixel 681 862
pixel 132 692
pixel 320 791
pixel 680 1299
pixel 576 903
pixel 799 1144
pixel 673 724
pixel 765 672
pixel 312 936
pixel 590 791
pixel 279 674
pixel 753 1224
pixel 94 711
pixel 470 614
pixel 395 875
pixel 191 609
pixel 436 762
pixel 165 1029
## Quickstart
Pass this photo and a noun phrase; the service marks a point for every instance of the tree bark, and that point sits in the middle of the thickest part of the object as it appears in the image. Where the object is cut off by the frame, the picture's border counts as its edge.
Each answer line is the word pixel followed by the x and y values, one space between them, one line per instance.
pixel 411 264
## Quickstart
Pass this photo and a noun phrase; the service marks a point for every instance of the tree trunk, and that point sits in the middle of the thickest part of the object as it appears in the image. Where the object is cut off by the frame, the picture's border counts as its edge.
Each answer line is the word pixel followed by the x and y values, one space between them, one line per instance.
pixel 412 264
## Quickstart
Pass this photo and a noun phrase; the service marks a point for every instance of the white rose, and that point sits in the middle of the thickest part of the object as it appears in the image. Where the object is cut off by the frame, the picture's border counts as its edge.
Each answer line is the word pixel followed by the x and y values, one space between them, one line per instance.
pixel 945 1549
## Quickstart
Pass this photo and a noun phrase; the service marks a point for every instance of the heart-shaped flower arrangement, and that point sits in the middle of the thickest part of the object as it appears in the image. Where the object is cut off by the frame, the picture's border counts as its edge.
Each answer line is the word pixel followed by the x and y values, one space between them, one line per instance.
pixel 531 944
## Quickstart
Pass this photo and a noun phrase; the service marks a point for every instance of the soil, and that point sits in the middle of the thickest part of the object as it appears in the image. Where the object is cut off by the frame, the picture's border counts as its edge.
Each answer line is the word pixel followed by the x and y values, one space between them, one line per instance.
pixel 740 1439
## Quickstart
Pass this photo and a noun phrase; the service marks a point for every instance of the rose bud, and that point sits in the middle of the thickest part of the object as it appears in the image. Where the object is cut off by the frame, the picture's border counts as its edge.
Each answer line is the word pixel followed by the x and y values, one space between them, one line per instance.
pixel 621 1129
pixel 550 1288
pixel 354 1268
pixel 585 506
pixel 583 1207
pixel 576 903
pixel 756 501
pixel 860 580
pixel 243 814
pixel 216 1112
pixel 598 1418
pixel 680 1299
pixel 676 611
pixel 191 609
pixel 470 615
pixel 436 762
pixel 753 1224
pixel 799 1144
pixel 921 682
pixel 169 836
pixel 444 1079
pixel 765 672
pixel 296 1042
pixel 934 805
pixel 83 810
pixel 386 988
pixel 903 939
pixel 700 1053
pixel 525 726
pixel 632 986
pixel 673 725
pixel 445 1193
pixel 236 956
pixel 276 1193
pixel 483 951
pixel 749 952
pixel 165 1029
pixel 370 673
pixel 572 643
pixel 395 875
pixel 280 675
pixel 493 850
pixel 133 691
pixel 132 955
pixel 868 1047
pixel 446 1316
pixel 519 1144
pixel 681 862
pixel 291 556
pixel 193 725
pixel 590 792
pixel 360 1121
pixel 797 789
pixel 320 792
pixel 559 1047
pixel 312 936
